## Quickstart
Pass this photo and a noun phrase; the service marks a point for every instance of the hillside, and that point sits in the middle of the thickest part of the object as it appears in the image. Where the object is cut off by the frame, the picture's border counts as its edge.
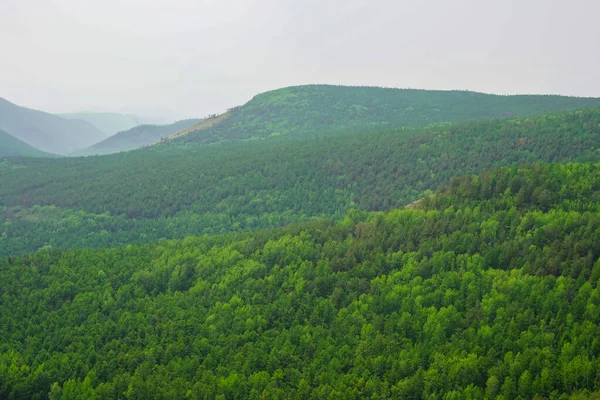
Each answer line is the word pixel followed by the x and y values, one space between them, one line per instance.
pixel 109 123
pixel 164 192
pixel 11 146
pixel 139 136
pixel 316 110
pixel 201 125
pixel 47 132
pixel 491 289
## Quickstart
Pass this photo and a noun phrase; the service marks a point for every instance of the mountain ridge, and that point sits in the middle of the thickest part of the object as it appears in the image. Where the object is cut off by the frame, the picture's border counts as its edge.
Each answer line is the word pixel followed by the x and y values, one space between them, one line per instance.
pixel 44 131
pixel 135 138
pixel 247 186
pixel 109 123
pixel 11 146
pixel 317 110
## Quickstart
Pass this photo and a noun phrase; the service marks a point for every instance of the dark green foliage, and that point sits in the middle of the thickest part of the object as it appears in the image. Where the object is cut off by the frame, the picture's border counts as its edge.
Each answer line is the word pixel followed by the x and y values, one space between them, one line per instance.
pixel 47 132
pixel 10 146
pixel 134 138
pixel 317 110
pixel 165 192
pixel 483 291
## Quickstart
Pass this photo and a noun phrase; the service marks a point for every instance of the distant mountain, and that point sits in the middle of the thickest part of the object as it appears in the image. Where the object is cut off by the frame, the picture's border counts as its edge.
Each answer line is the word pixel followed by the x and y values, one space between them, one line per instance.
pixel 151 115
pixel 145 120
pixel 139 136
pixel 109 123
pixel 316 110
pixel 47 132
pixel 11 146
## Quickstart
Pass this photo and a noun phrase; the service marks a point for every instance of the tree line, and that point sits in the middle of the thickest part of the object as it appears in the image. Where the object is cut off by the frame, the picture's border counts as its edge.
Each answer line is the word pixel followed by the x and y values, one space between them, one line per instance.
pixel 175 191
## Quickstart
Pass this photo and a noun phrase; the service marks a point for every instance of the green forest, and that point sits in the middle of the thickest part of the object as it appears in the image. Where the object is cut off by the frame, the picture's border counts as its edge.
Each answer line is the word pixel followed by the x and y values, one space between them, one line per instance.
pixel 317 242
pixel 323 110
pixel 299 200
pixel 489 289
pixel 167 192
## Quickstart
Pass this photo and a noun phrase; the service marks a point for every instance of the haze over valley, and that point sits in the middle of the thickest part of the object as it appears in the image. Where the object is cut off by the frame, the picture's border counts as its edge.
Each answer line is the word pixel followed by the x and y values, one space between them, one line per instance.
pixel 265 200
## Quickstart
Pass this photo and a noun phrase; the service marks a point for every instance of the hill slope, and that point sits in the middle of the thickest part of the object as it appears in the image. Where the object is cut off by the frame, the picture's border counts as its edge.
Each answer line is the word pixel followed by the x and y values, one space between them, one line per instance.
pixel 47 132
pixel 162 192
pixel 201 125
pixel 109 123
pixel 317 110
pixel 11 146
pixel 139 136
pixel 491 291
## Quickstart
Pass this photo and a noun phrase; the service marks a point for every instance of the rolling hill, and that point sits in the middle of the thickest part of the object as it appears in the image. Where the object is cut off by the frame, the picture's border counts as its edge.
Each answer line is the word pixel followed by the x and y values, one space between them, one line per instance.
pixel 491 290
pixel 316 110
pixel 171 192
pixel 47 132
pixel 11 146
pixel 220 264
pixel 134 138
pixel 109 123
pixel 201 125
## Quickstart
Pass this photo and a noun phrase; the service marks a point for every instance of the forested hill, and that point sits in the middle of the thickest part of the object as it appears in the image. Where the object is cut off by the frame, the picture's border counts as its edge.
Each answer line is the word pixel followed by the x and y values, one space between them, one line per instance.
pixel 169 193
pixel 315 110
pixel 136 137
pixel 11 146
pixel 490 291
pixel 47 132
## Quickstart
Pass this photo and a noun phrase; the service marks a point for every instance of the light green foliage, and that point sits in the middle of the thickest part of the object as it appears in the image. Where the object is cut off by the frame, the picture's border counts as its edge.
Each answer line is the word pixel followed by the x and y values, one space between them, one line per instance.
pixel 470 296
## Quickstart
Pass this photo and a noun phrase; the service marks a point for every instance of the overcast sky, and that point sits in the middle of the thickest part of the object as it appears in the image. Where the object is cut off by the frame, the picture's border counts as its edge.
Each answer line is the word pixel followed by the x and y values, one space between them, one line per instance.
pixel 195 57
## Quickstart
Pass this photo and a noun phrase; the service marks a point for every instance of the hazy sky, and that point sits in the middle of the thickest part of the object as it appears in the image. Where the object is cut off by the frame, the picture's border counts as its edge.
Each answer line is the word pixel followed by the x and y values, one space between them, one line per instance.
pixel 196 57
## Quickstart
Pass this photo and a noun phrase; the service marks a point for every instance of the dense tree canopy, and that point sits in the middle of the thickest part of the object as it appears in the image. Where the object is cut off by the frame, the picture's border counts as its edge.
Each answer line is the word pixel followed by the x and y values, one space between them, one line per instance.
pixel 317 242
pixel 172 192
pixel 488 289
pixel 318 110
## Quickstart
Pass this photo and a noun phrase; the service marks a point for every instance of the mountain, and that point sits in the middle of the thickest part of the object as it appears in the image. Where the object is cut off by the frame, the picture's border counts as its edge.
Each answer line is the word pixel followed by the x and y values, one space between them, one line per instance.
pixel 489 290
pixel 11 146
pixel 317 110
pixel 172 192
pixel 151 115
pixel 109 123
pixel 47 132
pixel 289 248
pixel 139 136
pixel 201 125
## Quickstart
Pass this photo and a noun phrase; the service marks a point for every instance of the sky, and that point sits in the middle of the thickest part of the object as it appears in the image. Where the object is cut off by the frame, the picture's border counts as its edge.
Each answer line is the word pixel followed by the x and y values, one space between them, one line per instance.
pixel 190 58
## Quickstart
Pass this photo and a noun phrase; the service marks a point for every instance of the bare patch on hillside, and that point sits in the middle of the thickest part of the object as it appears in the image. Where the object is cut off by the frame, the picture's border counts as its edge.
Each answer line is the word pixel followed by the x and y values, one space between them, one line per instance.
pixel 204 124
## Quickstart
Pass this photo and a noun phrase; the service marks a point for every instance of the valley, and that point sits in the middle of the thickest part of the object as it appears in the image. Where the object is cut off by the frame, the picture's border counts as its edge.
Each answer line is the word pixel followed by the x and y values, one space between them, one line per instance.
pixel 234 200
pixel 316 242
